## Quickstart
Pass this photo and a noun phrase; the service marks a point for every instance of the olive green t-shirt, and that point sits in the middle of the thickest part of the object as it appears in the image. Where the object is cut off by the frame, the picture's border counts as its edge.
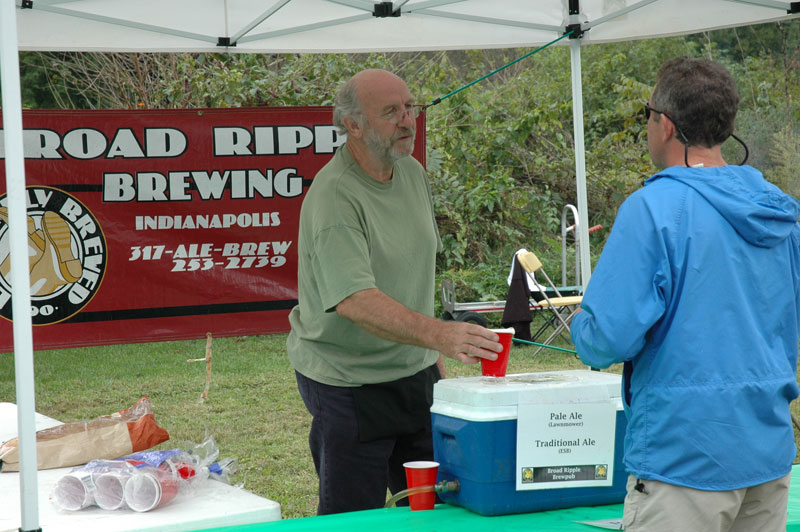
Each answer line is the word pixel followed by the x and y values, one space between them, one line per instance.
pixel 358 233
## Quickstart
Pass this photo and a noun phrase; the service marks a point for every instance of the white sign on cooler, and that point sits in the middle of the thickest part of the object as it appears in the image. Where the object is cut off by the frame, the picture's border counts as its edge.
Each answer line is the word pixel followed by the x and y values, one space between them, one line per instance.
pixel 565 438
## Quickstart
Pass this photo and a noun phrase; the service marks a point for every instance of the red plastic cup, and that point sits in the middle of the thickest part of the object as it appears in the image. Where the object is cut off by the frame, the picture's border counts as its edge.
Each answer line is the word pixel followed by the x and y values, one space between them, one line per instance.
pixel 497 368
pixel 145 491
pixel 420 474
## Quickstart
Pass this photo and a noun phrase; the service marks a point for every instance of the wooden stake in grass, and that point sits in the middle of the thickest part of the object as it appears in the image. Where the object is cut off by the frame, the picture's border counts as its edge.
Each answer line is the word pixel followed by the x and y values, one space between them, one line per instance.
pixel 204 395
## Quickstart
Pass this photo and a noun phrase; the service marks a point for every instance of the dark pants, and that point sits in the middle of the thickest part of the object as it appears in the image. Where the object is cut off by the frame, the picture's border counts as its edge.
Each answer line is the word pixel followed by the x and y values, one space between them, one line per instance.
pixel 354 475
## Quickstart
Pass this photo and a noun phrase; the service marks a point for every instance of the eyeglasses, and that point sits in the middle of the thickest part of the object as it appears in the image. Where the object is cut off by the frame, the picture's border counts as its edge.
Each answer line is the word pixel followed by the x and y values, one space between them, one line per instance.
pixel 395 115
pixel 648 110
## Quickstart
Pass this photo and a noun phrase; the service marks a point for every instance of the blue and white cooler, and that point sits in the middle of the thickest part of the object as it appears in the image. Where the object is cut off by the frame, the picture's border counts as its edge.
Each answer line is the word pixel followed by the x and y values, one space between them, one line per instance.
pixel 530 442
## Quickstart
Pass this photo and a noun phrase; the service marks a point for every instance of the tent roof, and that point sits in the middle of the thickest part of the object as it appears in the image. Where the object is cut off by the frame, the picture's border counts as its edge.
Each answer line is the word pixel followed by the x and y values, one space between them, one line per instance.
pixel 311 26
pixel 350 25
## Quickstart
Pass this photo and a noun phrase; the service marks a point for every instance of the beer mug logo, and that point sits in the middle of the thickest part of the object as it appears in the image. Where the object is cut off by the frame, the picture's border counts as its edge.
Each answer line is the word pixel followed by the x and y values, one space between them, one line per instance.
pixel 66 255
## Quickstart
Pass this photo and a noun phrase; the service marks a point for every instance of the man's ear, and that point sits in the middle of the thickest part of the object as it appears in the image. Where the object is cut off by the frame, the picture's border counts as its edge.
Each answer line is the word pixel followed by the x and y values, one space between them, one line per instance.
pixel 667 128
pixel 353 127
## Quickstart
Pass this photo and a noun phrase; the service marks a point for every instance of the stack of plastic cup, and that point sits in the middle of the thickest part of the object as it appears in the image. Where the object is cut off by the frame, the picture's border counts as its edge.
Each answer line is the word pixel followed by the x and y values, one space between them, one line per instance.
pixel 110 486
pixel 75 491
pixel 150 489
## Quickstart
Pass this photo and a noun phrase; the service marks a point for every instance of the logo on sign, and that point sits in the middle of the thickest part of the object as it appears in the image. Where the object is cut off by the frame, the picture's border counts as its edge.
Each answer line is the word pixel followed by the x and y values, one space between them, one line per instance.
pixel 66 255
pixel 527 475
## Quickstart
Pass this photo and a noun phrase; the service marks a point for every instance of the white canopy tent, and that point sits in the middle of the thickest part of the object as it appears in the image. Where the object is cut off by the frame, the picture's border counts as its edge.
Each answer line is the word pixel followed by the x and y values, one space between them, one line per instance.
pixel 311 26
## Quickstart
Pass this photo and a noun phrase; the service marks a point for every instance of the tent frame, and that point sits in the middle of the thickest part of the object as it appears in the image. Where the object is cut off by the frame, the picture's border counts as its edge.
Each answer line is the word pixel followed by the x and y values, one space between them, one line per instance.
pixel 20 275
pixel 15 171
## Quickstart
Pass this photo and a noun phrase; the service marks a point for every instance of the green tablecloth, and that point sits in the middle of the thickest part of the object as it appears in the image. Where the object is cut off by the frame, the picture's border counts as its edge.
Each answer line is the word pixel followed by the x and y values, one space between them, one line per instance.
pixel 446 518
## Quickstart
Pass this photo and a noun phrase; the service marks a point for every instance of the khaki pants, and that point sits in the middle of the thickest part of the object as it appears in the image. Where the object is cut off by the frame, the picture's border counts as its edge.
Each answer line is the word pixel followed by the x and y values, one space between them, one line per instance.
pixel 660 507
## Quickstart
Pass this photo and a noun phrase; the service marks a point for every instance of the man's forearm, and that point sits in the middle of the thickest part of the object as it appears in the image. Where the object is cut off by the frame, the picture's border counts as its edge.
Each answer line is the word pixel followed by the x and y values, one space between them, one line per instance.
pixel 387 318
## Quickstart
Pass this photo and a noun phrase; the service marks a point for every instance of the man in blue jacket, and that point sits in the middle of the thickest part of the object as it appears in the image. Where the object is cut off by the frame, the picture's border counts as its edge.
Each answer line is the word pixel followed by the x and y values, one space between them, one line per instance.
pixel 697 292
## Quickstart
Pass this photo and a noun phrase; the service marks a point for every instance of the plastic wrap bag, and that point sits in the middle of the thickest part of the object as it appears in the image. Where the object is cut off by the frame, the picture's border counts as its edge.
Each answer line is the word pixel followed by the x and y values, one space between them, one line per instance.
pixel 142 481
pixel 114 485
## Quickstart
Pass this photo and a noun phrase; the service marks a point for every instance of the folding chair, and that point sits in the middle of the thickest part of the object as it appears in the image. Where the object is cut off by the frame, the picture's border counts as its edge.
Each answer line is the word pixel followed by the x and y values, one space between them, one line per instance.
pixel 563 308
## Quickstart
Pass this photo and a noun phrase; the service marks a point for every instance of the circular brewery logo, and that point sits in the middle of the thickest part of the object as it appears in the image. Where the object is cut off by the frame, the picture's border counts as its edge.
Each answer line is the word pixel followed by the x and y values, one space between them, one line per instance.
pixel 66 252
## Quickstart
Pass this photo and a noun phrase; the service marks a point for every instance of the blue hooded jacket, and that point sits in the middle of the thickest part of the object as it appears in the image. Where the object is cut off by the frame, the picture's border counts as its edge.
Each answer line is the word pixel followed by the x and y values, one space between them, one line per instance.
pixel 698 291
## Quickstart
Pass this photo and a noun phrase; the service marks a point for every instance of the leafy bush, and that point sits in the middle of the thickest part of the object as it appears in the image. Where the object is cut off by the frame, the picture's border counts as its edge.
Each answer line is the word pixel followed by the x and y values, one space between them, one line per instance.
pixel 501 152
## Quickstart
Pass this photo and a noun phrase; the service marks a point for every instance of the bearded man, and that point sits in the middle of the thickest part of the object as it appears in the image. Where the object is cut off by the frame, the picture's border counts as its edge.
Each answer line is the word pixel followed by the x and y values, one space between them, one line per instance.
pixel 364 345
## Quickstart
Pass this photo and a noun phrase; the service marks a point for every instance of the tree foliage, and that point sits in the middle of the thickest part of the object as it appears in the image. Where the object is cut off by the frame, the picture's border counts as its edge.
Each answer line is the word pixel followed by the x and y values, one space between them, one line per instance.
pixel 501 152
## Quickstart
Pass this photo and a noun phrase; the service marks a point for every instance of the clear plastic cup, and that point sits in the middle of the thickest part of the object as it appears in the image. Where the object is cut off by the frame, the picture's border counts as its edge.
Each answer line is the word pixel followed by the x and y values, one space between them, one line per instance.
pixel 74 491
pixel 110 494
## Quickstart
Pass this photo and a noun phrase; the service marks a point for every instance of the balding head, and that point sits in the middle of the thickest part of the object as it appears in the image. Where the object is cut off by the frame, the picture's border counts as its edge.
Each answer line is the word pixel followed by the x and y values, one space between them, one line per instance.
pixel 361 89
pixel 374 83
pixel 376 110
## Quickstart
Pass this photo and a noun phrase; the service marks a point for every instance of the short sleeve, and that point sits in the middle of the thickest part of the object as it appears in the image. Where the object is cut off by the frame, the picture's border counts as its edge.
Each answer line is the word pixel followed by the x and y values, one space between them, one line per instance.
pixel 341 264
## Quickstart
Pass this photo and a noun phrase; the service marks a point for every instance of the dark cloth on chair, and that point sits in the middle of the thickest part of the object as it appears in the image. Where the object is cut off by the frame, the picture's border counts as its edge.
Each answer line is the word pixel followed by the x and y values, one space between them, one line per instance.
pixel 517 312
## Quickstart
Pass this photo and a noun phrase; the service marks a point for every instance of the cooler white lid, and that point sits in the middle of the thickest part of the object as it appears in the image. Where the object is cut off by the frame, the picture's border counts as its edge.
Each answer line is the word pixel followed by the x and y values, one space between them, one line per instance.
pixel 497 398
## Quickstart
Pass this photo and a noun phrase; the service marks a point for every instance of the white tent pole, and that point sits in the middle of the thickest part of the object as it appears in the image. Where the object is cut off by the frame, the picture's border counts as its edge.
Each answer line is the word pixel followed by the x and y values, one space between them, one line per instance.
pixel 580 161
pixel 20 276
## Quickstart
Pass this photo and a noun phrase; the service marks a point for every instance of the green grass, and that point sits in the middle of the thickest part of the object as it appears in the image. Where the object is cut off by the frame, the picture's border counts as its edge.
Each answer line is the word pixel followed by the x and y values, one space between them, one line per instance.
pixel 253 409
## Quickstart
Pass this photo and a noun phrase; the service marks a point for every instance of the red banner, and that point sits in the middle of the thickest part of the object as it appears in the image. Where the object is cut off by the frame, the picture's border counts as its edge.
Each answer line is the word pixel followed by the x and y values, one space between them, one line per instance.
pixel 163 225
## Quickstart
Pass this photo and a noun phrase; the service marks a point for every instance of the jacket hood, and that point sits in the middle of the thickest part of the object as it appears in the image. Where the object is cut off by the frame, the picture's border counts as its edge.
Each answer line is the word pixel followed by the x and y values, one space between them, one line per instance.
pixel 760 212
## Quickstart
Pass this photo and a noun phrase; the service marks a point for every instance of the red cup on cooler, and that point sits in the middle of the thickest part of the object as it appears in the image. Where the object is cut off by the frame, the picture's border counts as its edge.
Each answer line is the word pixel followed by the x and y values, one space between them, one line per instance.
pixel 419 474
pixel 498 367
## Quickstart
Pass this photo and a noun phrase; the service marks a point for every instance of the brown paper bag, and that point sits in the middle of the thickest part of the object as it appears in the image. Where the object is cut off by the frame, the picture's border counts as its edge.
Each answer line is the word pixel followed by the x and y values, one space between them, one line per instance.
pixel 104 438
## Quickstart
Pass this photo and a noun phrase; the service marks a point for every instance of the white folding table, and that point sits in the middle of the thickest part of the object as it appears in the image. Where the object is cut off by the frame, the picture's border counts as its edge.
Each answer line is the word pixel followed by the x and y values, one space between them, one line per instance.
pixel 212 505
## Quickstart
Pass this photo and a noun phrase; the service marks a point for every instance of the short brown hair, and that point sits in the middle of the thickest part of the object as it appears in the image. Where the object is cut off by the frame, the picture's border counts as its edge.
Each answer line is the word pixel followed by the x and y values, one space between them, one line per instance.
pixel 700 95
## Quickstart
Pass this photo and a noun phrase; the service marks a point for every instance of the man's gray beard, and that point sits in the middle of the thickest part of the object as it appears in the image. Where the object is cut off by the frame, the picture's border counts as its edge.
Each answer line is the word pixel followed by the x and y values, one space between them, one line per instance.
pixel 383 149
